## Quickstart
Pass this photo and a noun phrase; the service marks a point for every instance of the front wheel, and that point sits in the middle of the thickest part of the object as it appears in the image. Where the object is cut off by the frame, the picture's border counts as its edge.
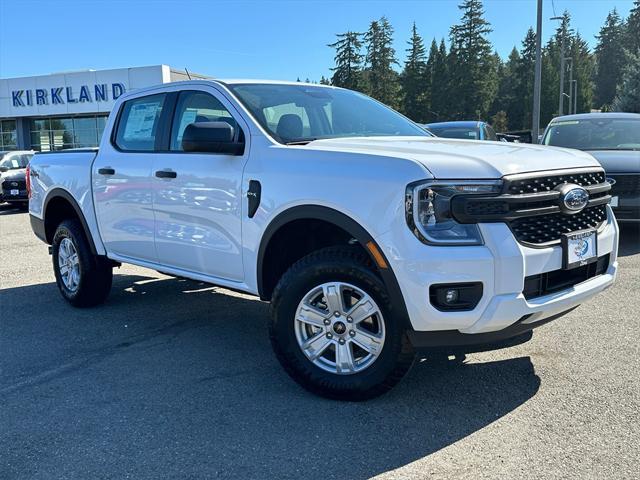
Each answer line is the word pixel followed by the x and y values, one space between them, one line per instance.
pixel 334 329
pixel 84 279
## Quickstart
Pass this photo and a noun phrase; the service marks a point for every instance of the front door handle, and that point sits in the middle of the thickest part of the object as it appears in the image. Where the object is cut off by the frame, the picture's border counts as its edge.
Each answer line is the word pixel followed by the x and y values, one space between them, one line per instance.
pixel 166 174
pixel 106 171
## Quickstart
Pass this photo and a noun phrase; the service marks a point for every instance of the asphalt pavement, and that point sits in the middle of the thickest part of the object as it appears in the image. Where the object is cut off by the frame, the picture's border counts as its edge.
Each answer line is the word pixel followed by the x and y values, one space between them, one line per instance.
pixel 176 379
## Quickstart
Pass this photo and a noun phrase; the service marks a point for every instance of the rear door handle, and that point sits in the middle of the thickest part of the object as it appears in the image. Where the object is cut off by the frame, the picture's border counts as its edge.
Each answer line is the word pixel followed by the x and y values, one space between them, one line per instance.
pixel 166 174
pixel 106 171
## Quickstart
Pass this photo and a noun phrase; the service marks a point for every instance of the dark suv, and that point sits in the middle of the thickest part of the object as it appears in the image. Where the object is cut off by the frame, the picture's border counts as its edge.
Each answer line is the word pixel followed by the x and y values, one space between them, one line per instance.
pixel 13 185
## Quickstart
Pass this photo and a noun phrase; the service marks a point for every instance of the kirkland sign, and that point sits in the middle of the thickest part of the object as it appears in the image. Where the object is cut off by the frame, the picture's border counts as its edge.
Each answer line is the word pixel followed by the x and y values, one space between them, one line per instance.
pixel 60 95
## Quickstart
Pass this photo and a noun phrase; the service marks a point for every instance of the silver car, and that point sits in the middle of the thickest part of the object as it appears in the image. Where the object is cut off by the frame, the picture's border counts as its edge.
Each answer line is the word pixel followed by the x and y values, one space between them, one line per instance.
pixel 614 140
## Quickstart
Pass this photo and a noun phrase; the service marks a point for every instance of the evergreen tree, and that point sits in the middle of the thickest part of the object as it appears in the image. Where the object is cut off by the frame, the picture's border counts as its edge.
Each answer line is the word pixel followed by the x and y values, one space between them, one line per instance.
pixel 381 78
pixel 471 61
pixel 632 30
pixel 628 98
pixel 347 72
pixel 507 98
pixel 440 91
pixel 520 116
pixel 610 58
pixel 583 70
pixel 324 80
pixel 430 115
pixel 551 70
pixel 415 101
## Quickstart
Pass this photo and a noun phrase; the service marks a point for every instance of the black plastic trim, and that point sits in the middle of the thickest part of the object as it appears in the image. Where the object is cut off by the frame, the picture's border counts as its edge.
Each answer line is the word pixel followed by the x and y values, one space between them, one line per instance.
pixel 61 193
pixel 345 222
pixel 454 340
pixel 37 225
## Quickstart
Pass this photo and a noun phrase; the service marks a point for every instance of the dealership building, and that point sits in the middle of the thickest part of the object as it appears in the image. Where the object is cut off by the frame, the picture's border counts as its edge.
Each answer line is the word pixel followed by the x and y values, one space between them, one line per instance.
pixel 69 110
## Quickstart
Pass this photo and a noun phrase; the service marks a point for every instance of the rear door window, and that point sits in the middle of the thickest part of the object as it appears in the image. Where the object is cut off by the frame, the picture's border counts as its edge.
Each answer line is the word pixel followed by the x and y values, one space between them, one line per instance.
pixel 139 121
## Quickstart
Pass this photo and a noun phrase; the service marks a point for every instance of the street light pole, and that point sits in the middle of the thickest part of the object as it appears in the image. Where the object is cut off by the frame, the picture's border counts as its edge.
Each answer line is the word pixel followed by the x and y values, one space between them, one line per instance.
pixel 561 99
pixel 535 130
pixel 570 96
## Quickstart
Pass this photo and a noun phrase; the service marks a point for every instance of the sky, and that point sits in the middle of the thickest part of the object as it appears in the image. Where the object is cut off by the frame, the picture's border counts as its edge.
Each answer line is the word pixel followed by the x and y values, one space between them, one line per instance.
pixel 267 39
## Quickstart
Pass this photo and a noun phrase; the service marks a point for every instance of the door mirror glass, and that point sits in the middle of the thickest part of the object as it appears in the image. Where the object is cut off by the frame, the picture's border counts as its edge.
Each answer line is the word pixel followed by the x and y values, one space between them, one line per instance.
pixel 212 137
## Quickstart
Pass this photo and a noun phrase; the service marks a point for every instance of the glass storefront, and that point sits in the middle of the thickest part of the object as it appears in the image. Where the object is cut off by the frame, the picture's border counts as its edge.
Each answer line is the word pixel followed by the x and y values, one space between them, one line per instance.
pixel 8 135
pixel 66 132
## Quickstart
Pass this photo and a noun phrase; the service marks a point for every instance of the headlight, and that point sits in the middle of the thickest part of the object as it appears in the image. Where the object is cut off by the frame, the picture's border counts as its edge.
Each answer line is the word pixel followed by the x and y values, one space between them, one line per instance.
pixel 428 212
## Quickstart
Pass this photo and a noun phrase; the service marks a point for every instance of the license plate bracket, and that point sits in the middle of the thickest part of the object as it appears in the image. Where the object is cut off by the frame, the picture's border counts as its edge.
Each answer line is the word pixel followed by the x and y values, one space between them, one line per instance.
pixel 579 248
pixel 15 192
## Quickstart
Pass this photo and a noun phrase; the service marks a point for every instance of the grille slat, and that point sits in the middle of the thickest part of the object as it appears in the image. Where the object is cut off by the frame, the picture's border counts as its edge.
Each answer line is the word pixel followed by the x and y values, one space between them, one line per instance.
pixel 626 185
pixel 549 182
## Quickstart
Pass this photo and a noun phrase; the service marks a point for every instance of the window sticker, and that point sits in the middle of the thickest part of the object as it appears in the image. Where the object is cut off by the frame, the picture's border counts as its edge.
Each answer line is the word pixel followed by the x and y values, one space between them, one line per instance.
pixel 142 118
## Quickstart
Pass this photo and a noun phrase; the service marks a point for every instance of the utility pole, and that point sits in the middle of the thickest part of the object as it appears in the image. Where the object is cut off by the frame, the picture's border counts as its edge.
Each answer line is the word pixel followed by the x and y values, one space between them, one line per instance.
pixel 561 99
pixel 570 96
pixel 575 96
pixel 535 130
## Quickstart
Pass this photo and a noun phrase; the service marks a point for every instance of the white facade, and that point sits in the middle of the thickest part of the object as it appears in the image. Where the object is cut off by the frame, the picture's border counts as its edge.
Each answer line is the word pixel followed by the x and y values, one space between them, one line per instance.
pixel 29 104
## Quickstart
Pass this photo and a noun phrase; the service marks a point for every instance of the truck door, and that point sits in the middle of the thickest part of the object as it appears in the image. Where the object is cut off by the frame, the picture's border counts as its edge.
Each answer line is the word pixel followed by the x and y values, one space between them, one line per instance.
pixel 122 175
pixel 197 196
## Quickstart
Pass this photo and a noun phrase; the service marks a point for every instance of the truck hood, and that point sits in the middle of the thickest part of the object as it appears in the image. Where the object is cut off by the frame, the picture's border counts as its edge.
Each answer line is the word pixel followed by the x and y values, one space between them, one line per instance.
pixel 618 161
pixel 462 159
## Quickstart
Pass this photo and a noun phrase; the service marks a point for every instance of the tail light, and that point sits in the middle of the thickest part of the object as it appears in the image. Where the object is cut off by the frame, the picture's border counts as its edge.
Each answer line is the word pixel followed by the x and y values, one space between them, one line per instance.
pixel 28 181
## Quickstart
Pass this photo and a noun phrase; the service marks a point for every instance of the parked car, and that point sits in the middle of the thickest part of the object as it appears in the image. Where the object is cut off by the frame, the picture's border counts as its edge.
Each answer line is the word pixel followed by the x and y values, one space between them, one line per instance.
pixel 370 238
pixel 614 140
pixel 468 130
pixel 13 187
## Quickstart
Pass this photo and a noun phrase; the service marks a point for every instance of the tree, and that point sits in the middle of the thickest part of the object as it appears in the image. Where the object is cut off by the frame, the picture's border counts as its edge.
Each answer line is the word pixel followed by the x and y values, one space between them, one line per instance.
pixel 628 98
pixel 324 81
pixel 440 98
pixel 499 121
pixel 415 96
pixel 471 63
pixel 610 58
pixel 521 114
pixel 382 79
pixel 632 30
pixel 347 72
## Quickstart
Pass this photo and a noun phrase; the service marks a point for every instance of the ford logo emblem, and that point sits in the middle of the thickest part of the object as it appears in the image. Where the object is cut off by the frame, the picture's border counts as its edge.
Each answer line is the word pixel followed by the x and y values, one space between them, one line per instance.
pixel 573 198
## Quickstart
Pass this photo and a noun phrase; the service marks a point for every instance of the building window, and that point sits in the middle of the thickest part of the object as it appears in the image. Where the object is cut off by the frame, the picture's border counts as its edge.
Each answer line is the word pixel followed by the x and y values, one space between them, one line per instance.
pixel 58 133
pixel 8 135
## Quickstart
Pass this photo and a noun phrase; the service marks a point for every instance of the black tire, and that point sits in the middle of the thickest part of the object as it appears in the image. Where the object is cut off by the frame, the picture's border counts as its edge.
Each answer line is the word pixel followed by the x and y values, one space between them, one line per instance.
pixel 96 273
pixel 337 264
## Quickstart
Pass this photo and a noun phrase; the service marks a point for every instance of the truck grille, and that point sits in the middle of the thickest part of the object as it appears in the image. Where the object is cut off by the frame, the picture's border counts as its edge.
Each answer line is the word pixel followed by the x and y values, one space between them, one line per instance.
pixel 530 205
pixel 558 280
pixel 548 228
pixel 626 185
pixel 14 184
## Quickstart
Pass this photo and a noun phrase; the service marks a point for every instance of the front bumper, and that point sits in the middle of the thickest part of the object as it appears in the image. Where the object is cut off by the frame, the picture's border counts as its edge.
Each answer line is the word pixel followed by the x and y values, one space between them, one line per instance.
pixel 501 264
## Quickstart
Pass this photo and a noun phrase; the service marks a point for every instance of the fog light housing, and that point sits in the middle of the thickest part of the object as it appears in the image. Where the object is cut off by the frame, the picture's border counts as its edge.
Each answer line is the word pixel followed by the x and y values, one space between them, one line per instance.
pixel 455 297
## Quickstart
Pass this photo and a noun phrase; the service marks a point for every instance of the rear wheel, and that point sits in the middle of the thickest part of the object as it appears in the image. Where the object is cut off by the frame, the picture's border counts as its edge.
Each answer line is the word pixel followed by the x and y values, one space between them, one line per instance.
pixel 333 327
pixel 84 279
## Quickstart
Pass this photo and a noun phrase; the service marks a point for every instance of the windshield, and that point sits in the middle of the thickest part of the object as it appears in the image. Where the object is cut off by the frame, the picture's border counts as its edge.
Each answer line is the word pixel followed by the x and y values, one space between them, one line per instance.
pixel 302 113
pixel 469 133
pixel 595 134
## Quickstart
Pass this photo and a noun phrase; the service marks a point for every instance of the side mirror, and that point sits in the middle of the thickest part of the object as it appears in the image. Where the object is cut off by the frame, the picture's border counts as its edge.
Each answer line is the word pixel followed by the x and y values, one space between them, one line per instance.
pixel 212 137
pixel 4 169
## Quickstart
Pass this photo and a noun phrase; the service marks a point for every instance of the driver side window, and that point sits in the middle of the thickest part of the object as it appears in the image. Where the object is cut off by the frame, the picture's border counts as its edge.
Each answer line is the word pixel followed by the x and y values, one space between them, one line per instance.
pixel 194 106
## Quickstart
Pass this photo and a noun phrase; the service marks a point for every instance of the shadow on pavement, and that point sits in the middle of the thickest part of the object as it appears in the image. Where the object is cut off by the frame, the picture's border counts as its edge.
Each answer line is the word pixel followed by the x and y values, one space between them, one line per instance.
pixel 10 209
pixel 629 239
pixel 172 379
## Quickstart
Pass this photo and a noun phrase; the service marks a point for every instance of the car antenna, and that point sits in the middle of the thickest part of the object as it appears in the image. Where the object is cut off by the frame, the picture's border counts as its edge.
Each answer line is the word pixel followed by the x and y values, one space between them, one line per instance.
pixel 188 74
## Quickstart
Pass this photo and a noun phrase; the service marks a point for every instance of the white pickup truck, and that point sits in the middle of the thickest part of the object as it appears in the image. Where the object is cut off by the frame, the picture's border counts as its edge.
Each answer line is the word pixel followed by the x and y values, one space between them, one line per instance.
pixel 370 238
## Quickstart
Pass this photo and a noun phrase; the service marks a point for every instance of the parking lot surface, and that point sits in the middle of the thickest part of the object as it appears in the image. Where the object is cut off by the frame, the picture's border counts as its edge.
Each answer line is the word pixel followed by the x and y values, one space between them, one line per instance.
pixel 176 379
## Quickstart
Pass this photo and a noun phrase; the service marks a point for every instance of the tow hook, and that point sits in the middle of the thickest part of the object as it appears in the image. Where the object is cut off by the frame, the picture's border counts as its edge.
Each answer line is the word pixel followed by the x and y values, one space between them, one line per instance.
pixel 50 248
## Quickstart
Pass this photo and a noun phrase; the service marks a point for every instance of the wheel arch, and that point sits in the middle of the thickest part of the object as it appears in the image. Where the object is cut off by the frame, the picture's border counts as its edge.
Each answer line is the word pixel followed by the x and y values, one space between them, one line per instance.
pixel 65 207
pixel 343 222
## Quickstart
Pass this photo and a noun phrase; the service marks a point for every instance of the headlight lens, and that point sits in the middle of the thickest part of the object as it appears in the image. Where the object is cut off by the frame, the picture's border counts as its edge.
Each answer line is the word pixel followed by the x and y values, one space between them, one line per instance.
pixel 428 211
